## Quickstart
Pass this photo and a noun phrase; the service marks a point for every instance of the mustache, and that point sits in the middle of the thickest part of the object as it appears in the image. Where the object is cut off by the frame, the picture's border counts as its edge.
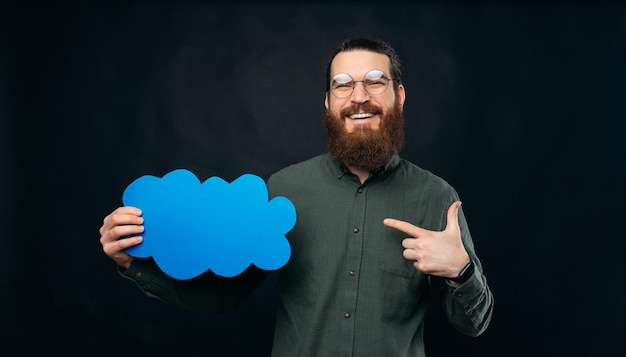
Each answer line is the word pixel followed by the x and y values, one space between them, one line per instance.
pixel 361 108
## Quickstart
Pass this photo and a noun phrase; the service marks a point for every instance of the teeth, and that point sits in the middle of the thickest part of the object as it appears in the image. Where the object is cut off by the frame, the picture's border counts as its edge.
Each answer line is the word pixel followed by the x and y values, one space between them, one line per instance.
pixel 361 116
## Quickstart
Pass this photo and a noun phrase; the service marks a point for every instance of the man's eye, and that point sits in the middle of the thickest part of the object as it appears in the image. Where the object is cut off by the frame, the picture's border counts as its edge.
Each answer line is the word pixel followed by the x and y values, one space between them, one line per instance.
pixel 375 84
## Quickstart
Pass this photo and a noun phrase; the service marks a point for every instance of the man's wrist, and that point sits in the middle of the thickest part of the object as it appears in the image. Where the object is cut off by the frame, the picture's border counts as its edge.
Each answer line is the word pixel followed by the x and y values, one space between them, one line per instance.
pixel 465 273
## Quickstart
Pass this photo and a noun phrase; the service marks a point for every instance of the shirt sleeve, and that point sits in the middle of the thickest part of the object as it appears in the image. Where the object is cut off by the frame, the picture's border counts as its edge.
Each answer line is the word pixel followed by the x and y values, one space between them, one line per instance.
pixel 207 292
pixel 469 306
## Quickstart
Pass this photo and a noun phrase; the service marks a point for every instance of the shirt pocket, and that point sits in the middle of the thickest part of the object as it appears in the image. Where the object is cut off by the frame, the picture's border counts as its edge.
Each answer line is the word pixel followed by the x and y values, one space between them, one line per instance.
pixel 390 258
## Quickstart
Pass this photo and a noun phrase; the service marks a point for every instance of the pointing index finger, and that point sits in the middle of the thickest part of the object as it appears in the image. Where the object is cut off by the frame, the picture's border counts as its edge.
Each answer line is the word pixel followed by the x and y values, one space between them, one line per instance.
pixel 402 226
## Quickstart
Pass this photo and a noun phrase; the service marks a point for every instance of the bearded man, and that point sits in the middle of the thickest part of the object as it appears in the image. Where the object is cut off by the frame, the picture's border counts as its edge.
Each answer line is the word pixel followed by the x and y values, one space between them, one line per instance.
pixel 377 237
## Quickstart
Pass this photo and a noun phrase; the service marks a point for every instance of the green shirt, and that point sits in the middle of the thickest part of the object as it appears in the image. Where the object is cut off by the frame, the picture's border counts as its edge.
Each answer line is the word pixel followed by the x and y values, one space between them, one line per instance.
pixel 347 290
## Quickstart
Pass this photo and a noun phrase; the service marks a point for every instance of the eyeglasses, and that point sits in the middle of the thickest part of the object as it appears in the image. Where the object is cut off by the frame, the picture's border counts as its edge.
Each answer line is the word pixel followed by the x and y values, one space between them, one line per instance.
pixel 374 83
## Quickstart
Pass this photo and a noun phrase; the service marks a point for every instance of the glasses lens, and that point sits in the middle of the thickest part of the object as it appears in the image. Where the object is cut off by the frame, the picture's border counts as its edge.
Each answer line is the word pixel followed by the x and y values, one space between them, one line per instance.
pixel 342 85
pixel 375 81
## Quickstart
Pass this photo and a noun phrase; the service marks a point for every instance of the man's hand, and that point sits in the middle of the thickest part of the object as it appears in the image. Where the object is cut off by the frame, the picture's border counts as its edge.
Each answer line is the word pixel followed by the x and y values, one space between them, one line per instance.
pixel 434 253
pixel 122 222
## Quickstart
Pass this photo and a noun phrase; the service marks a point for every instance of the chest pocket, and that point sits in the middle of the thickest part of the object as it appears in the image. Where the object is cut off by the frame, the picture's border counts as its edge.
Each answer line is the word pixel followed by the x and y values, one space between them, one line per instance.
pixel 390 258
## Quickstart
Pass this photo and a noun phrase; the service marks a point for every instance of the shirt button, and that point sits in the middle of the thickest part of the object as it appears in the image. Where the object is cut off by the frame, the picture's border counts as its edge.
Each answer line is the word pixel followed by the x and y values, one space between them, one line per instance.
pixel 138 275
pixel 347 315
pixel 360 190
pixel 352 273
pixel 355 230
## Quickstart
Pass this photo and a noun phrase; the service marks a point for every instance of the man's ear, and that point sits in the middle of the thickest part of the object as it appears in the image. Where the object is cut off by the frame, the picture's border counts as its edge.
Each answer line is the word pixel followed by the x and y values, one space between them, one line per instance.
pixel 326 100
pixel 401 95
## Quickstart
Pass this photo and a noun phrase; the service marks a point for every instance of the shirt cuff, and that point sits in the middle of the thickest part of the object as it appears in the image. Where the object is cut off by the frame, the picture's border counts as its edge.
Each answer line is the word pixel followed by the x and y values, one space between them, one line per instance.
pixel 140 270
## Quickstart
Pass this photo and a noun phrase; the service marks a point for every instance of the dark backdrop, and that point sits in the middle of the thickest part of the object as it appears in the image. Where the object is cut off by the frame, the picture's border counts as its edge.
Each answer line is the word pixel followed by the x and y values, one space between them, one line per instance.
pixel 520 106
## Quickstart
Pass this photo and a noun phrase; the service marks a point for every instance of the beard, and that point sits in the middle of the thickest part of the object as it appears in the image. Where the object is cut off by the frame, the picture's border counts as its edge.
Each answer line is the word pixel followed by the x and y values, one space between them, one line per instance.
pixel 365 148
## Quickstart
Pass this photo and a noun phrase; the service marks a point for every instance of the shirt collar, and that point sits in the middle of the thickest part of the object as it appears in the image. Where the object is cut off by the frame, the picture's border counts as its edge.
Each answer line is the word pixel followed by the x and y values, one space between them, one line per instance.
pixel 341 169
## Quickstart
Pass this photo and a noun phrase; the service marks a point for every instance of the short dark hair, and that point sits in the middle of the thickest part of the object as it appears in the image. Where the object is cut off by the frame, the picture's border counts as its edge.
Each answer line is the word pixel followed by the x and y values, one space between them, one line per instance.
pixel 372 45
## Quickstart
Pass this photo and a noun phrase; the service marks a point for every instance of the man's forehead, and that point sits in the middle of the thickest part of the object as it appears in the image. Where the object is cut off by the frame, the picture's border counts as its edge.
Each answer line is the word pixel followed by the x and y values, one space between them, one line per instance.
pixel 359 62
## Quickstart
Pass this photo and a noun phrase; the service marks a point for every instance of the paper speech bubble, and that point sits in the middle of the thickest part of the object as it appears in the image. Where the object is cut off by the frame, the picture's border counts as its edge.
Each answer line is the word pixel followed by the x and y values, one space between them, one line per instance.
pixel 192 226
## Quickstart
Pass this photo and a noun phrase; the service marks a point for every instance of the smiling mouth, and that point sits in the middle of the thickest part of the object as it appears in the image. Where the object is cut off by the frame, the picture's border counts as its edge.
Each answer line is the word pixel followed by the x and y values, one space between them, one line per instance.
pixel 359 116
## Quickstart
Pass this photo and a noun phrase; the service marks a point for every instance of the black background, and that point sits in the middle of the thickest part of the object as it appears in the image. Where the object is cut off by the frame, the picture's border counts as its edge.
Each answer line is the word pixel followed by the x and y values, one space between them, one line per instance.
pixel 519 105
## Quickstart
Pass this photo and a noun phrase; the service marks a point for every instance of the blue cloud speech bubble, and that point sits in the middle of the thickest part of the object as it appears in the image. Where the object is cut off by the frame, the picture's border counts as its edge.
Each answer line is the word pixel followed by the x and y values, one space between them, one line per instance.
pixel 191 227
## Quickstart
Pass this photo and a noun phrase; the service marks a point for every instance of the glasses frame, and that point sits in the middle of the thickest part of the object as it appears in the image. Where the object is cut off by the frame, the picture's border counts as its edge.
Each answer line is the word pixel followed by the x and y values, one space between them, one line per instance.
pixel 384 77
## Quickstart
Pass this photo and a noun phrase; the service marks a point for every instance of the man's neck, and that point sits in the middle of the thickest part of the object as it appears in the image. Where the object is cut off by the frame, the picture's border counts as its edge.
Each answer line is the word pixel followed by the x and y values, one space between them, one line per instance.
pixel 362 174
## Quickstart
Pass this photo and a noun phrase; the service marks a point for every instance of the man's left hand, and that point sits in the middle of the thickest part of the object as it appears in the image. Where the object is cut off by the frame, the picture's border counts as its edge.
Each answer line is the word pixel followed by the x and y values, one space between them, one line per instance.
pixel 434 253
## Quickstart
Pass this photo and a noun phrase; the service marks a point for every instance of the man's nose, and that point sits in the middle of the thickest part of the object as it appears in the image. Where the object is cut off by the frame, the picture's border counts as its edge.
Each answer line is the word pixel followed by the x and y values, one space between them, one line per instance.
pixel 359 94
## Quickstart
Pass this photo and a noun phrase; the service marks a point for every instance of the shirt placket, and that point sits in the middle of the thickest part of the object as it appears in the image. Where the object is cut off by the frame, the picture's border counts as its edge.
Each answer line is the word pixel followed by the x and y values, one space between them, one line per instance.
pixel 353 266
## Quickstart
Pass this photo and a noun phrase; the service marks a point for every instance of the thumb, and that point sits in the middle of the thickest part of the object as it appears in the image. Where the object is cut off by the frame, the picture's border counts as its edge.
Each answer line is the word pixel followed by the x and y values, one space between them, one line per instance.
pixel 453 216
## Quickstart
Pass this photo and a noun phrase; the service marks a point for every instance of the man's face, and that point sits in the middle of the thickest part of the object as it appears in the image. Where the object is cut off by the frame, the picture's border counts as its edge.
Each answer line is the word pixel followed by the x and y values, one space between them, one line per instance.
pixel 371 107
pixel 364 130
